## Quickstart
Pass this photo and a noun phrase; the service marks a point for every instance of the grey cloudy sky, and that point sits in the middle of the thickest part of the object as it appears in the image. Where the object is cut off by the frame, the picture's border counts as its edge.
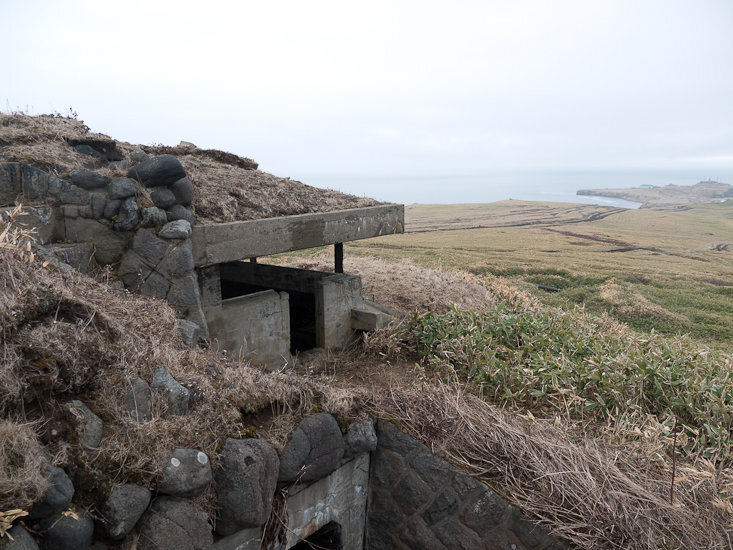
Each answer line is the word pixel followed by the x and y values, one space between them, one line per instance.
pixel 389 88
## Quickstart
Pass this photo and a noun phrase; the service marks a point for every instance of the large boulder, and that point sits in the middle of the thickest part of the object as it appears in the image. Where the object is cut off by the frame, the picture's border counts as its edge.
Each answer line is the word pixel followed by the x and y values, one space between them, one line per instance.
pixel 245 484
pixel 157 171
pixel 315 449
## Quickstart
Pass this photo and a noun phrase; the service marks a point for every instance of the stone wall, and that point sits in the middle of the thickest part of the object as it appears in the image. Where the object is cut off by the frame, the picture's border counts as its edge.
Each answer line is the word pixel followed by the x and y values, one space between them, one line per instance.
pixel 379 489
pixel 417 500
pixel 141 221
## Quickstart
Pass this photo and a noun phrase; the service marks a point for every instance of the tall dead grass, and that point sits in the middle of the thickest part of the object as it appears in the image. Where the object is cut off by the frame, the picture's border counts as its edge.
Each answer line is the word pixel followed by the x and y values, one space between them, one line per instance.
pixel 585 490
pixel 21 465
pixel 407 287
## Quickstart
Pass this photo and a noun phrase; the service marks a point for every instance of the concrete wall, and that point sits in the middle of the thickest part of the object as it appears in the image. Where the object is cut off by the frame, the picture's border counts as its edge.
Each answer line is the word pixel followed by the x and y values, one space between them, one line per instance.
pixel 340 497
pixel 336 294
pixel 255 327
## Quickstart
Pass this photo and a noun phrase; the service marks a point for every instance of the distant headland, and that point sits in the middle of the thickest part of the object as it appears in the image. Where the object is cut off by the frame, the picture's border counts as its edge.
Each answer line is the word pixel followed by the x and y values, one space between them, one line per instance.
pixel 668 197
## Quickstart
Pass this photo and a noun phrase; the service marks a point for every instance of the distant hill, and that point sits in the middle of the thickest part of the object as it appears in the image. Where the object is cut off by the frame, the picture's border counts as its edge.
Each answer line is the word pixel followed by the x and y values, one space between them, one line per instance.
pixel 670 196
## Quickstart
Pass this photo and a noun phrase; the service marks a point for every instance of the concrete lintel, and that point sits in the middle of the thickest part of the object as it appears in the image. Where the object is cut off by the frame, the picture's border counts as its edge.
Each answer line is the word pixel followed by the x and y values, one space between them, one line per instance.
pixel 229 242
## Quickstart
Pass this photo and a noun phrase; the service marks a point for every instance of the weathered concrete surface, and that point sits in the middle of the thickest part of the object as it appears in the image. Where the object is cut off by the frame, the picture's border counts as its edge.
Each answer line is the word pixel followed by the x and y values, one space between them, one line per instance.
pixel 335 294
pixel 340 497
pixel 255 327
pixel 228 242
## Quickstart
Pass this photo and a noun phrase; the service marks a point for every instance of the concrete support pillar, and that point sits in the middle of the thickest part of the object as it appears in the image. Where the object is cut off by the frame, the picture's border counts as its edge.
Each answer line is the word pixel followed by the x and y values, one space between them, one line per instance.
pixel 338 250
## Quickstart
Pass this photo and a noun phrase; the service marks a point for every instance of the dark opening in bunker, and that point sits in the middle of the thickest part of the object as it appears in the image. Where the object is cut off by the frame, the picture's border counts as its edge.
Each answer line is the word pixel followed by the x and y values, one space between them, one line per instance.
pixel 327 537
pixel 302 311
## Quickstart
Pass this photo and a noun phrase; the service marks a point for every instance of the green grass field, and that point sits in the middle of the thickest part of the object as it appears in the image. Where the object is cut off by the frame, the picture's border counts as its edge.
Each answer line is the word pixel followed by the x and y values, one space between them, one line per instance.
pixel 671 272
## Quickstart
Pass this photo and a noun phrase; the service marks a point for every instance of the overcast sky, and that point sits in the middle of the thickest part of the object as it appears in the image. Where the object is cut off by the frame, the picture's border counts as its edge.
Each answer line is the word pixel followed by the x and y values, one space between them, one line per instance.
pixel 388 88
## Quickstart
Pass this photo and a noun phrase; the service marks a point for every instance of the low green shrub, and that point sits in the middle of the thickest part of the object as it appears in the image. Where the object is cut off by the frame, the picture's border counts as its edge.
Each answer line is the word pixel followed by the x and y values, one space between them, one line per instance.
pixel 584 366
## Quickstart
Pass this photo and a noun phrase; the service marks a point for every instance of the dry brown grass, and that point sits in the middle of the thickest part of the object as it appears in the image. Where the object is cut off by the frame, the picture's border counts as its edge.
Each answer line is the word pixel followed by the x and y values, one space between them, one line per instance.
pixel 65 336
pixel 585 490
pixel 21 465
pixel 407 287
pixel 227 187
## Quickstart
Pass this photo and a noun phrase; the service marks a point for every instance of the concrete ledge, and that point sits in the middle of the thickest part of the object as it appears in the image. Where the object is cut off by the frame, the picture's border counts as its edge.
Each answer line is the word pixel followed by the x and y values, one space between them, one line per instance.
pixel 229 242
pixel 364 319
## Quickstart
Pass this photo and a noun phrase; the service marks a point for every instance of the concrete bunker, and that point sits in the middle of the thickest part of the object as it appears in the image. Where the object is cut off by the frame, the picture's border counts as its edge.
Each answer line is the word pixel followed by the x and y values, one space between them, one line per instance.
pixel 268 313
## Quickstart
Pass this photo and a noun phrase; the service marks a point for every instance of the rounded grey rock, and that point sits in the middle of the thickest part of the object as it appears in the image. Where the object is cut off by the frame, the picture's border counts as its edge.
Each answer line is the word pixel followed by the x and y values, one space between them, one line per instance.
pixel 245 484
pixel 360 438
pixel 122 188
pixel 139 401
pixel 183 191
pixel 174 523
pixel 139 156
pixel 112 208
pixel 58 495
pixel 22 540
pixel 162 197
pixel 88 179
pixel 153 217
pixel 178 212
pixel 315 449
pixel 119 165
pixel 84 149
pixel 62 532
pixel 178 229
pixel 186 473
pixel 176 395
pixel 128 216
pixel 158 171
pixel 92 425
pixel 120 512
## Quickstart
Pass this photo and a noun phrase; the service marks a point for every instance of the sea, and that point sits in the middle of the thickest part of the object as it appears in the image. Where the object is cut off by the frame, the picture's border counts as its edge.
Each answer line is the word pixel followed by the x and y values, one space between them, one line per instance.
pixel 555 186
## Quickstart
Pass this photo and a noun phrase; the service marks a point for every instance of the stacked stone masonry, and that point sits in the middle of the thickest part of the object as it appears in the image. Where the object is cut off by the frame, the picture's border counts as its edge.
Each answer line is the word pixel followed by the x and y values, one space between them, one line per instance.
pixel 417 500
pixel 141 221
pixel 379 489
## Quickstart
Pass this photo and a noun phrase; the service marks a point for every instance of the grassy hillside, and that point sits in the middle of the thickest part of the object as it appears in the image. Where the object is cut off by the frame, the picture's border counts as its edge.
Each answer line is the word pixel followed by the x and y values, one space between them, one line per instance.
pixel 671 272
